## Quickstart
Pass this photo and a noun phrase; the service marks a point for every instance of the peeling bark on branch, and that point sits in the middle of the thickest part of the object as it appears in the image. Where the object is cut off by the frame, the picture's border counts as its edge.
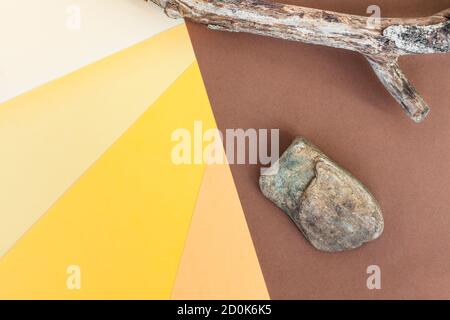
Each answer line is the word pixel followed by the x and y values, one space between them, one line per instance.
pixel 381 44
pixel 395 81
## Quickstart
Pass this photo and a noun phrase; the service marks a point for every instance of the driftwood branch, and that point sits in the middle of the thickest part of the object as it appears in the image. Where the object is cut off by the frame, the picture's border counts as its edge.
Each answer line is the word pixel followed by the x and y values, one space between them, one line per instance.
pixel 382 43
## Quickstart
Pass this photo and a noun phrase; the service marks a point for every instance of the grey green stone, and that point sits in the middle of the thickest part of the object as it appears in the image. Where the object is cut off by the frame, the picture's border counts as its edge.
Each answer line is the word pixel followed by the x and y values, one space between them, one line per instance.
pixel 333 209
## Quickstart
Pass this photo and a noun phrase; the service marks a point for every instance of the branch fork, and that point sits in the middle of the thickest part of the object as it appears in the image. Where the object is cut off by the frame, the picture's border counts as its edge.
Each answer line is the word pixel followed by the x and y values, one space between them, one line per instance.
pixel 382 44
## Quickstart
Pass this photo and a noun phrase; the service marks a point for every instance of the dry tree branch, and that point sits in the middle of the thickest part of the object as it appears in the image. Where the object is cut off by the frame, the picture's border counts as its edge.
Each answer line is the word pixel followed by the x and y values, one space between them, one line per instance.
pixel 382 44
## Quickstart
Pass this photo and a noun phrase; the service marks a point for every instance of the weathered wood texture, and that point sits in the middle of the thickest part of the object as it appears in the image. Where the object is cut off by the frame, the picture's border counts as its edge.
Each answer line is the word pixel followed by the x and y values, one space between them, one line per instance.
pixel 382 42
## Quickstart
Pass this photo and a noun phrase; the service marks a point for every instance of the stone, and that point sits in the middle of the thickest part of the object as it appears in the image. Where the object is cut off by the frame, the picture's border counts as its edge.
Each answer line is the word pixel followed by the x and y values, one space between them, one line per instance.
pixel 333 210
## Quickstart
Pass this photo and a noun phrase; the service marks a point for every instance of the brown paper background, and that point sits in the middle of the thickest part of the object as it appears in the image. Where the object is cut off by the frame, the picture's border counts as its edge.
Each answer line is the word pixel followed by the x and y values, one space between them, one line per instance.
pixel 333 98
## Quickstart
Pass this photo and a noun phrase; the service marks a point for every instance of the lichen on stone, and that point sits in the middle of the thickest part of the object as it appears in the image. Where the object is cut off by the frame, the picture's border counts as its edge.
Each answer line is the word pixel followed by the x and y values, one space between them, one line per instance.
pixel 331 208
